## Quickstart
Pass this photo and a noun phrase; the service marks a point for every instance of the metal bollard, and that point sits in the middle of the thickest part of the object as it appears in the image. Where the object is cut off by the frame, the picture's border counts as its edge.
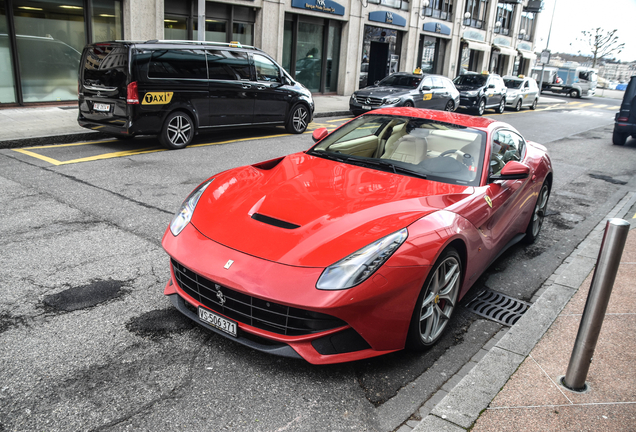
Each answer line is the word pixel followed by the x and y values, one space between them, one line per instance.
pixel 609 258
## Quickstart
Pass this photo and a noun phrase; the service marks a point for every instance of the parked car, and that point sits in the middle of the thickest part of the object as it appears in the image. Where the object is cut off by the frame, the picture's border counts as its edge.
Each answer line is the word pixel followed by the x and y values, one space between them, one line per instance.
pixel 362 245
pixel 407 90
pixel 625 120
pixel 522 91
pixel 174 89
pixel 479 92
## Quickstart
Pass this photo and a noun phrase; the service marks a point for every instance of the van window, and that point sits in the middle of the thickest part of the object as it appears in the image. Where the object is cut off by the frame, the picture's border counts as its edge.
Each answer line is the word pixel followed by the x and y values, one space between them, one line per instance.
pixel 105 66
pixel 228 65
pixel 266 70
pixel 177 64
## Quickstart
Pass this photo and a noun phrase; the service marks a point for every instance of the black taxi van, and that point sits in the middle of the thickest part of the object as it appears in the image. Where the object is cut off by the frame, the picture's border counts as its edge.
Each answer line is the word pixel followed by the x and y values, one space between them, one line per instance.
pixel 174 89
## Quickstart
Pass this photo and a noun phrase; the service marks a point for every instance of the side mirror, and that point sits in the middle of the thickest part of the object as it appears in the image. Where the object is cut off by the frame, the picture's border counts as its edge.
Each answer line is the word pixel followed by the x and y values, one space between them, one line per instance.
pixel 426 88
pixel 513 170
pixel 319 134
pixel 491 86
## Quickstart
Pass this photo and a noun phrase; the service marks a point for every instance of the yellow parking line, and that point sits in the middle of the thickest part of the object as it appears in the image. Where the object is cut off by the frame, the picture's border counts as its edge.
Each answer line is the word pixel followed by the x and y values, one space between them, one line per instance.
pixel 599 106
pixel 70 144
pixel 614 108
pixel 90 158
pixel 585 105
pixel 337 120
pixel 574 103
pixel 38 156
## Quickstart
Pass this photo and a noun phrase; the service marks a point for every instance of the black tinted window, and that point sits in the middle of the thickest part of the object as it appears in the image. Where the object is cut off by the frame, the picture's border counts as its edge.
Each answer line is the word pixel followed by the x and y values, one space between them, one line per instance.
pixel 265 69
pixel 470 80
pixel 177 64
pixel 105 66
pixel 228 65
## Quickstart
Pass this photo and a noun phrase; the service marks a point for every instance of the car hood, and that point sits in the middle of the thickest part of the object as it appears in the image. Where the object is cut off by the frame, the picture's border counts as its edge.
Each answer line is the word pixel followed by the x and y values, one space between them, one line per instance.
pixel 312 212
pixel 382 92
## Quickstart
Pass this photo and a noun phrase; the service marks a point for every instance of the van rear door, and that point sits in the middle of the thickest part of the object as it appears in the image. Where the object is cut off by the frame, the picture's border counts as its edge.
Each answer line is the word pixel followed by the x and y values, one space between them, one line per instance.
pixel 102 83
pixel 231 91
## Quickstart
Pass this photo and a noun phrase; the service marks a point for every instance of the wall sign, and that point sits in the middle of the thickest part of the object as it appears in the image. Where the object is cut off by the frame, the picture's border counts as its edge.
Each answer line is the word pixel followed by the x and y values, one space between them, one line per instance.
pixel 387 18
pixel 325 6
pixel 435 27
pixel 474 35
pixel 502 41
pixel 524 46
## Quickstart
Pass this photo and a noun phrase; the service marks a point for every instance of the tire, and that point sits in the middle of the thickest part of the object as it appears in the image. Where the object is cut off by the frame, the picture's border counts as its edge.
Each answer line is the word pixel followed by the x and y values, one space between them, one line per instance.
pixel 481 107
pixel 575 94
pixel 177 132
pixel 436 302
pixel 518 105
pixel 538 215
pixel 408 104
pixel 534 104
pixel 298 119
pixel 502 106
pixel 450 106
pixel 619 138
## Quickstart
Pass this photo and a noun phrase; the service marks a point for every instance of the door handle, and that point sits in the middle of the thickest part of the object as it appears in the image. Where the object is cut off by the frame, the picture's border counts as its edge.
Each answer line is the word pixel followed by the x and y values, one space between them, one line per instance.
pixel 261 87
pixel 247 86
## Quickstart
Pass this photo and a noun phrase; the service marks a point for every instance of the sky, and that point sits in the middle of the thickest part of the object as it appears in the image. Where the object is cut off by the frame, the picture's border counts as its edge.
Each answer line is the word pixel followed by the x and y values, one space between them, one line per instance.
pixel 573 16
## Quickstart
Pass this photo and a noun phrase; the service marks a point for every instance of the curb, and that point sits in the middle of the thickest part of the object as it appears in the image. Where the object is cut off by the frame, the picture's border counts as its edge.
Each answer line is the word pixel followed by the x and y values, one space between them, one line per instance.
pixel 462 406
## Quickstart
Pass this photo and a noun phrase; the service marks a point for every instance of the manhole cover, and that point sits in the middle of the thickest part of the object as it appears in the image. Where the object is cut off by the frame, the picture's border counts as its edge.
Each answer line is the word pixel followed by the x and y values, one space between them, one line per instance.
pixel 498 307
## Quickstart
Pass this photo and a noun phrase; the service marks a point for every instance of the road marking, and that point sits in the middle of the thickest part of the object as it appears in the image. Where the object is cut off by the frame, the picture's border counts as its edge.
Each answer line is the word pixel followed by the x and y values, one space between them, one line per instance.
pixel 614 108
pixel 90 158
pixel 599 106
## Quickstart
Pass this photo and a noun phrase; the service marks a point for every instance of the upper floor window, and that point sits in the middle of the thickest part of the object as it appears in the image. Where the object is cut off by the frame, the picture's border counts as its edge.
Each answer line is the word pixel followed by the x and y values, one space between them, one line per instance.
pixel 505 14
pixel 527 25
pixel 477 10
pixel 396 4
pixel 441 9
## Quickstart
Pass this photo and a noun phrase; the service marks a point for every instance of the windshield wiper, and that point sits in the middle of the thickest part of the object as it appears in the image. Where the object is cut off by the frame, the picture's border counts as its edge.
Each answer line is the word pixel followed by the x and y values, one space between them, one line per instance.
pixel 388 164
pixel 329 155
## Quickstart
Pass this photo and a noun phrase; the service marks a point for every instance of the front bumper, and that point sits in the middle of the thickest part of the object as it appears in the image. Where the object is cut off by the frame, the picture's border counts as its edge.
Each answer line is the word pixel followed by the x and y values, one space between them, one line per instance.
pixel 377 311
pixel 467 102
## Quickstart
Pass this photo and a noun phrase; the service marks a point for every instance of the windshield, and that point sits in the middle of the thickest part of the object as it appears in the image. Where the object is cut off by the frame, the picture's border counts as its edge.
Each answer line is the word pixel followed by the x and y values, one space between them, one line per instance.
pixel 513 84
pixel 470 80
pixel 415 147
pixel 404 81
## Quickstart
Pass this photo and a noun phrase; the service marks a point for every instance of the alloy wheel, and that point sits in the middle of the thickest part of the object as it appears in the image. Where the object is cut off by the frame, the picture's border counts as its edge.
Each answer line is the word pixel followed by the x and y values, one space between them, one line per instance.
pixel 179 130
pixel 440 299
pixel 539 210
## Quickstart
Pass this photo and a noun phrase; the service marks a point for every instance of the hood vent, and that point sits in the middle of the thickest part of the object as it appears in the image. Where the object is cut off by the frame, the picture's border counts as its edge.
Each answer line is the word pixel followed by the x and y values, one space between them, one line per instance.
pixel 274 222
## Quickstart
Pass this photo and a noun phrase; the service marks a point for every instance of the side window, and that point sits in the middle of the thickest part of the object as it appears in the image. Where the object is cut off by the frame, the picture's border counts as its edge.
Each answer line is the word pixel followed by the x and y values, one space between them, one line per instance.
pixel 178 64
pixel 526 84
pixel 228 65
pixel 428 82
pixel 266 70
pixel 506 146
pixel 438 83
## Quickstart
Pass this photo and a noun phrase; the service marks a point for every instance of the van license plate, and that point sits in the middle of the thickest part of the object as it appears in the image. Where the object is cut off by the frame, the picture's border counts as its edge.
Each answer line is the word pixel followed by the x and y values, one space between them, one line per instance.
pixel 101 107
pixel 217 321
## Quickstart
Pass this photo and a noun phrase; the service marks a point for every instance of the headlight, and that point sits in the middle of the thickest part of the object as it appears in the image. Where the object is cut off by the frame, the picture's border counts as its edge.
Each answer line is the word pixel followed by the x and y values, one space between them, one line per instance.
pixel 183 216
pixel 353 97
pixel 357 267
pixel 391 101
pixel 472 93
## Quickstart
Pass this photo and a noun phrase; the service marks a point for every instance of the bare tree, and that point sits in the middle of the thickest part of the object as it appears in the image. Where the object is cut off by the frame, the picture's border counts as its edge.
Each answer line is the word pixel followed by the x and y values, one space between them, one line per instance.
pixel 602 43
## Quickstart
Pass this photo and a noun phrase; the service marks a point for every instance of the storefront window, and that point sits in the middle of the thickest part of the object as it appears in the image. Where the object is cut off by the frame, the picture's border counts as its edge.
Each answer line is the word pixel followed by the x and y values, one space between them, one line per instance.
pixel 333 57
pixel 309 55
pixel 50 40
pixel 287 45
pixel 7 83
pixel 175 27
pixel 242 32
pixel 106 20
pixel 380 50
pixel 215 30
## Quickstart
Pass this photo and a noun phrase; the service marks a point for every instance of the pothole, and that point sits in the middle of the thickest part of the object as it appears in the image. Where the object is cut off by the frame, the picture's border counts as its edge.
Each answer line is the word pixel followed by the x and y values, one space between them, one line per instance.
pixel 159 323
pixel 85 296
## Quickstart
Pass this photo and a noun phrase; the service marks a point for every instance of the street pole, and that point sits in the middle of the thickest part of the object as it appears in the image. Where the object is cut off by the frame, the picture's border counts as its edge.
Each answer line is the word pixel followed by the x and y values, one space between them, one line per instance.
pixel 546 48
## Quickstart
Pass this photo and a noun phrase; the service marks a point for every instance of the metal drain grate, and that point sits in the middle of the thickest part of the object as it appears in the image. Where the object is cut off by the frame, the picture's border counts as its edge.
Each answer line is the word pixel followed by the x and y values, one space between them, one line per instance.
pixel 498 307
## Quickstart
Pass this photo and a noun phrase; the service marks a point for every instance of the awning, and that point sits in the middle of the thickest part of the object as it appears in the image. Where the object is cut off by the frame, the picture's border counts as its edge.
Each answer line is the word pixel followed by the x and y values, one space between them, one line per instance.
pixel 479 46
pixel 527 54
pixel 506 50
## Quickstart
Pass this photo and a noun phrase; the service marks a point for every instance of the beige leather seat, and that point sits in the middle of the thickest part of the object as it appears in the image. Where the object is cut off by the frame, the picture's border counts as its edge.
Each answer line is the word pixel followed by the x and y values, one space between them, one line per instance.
pixel 406 149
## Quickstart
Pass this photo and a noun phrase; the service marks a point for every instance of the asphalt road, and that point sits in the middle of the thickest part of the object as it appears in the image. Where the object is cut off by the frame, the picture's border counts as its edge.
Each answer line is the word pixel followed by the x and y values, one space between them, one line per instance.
pixel 88 342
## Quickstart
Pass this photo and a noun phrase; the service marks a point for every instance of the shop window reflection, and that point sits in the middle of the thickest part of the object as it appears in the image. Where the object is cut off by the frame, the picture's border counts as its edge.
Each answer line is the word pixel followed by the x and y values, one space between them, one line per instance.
pixel 7 83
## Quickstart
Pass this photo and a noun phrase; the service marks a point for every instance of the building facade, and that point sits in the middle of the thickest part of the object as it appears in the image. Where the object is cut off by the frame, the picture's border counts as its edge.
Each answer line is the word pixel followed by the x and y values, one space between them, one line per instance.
pixel 331 46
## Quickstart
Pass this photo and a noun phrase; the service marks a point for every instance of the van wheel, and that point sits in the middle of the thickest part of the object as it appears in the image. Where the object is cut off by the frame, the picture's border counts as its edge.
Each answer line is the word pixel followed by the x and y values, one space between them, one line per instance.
pixel 177 132
pixel 619 138
pixel 298 120
pixel 518 105
pixel 574 94
pixel 534 104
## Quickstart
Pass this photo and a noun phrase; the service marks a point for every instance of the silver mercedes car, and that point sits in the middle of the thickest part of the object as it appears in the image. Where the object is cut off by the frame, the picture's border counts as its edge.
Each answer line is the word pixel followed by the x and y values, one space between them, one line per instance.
pixel 407 90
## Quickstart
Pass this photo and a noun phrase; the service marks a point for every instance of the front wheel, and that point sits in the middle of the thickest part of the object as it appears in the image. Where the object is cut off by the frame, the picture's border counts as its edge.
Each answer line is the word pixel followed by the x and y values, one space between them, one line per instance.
pixel 518 105
pixel 298 120
pixel 481 107
pixel 450 106
pixel 408 104
pixel 538 215
pixel 534 104
pixel 436 302
pixel 575 94
pixel 177 132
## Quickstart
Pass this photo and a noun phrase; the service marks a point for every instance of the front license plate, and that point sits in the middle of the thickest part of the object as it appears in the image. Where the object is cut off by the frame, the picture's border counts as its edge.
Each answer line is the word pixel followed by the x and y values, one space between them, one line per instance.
pixel 217 321
pixel 101 107
pixel 366 107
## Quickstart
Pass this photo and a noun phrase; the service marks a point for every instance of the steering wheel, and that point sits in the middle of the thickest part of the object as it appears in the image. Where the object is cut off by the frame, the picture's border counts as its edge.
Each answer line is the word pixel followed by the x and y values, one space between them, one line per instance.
pixel 447 152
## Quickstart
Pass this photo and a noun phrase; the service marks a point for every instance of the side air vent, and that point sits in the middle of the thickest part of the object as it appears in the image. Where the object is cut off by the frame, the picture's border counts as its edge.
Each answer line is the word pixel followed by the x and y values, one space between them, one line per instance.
pixel 274 222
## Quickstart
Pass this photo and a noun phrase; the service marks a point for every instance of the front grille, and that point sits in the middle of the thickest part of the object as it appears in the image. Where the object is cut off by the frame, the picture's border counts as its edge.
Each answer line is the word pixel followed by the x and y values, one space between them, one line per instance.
pixel 368 100
pixel 262 314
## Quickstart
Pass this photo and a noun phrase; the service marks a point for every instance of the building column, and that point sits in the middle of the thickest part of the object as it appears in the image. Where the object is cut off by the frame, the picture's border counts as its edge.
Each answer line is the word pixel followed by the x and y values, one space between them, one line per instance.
pixel 143 19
